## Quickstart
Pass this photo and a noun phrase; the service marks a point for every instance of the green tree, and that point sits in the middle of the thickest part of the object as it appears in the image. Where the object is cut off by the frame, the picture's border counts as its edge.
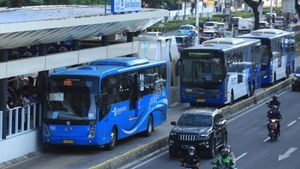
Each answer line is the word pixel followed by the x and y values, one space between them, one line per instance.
pixel 254 4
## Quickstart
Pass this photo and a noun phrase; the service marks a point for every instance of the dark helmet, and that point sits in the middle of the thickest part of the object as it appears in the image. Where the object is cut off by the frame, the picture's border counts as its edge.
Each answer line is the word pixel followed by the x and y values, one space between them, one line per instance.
pixel 274 108
pixel 275 97
pixel 192 151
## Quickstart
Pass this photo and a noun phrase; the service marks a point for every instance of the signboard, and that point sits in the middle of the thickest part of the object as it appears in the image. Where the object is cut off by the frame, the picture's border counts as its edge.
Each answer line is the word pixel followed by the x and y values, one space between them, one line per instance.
pixel 120 6
pixel 288 6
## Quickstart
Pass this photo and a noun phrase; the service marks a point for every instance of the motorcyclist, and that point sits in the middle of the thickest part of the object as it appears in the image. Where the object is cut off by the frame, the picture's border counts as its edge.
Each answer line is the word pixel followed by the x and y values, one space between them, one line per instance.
pixel 231 153
pixel 190 157
pixel 226 159
pixel 274 113
pixel 274 102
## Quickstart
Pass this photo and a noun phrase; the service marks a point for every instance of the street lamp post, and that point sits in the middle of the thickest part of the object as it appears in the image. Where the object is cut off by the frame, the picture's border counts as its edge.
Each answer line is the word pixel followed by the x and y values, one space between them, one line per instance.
pixel 197 22
pixel 271 14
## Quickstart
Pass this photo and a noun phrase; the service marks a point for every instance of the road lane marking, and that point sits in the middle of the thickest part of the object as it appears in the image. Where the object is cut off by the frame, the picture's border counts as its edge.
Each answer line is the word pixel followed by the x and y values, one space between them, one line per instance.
pixel 298 118
pixel 291 123
pixel 267 139
pixel 147 161
pixel 241 156
pixel 287 154
pixel 232 118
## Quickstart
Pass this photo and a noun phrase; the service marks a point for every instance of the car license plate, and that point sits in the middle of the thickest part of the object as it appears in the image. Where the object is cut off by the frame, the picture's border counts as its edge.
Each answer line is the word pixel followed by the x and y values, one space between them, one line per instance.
pixel 200 100
pixel 68 141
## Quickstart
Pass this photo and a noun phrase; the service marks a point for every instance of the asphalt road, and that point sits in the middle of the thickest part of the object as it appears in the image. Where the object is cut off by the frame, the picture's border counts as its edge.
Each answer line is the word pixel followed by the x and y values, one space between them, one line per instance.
pixel 248 138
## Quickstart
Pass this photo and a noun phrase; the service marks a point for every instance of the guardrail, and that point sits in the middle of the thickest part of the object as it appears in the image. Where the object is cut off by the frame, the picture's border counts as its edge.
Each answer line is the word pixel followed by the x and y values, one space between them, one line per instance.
pixel 22 119
pixel 161 143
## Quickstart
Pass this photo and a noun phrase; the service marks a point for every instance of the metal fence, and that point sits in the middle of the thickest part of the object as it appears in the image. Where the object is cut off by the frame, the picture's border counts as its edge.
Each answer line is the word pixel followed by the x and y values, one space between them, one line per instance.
pixel 23 119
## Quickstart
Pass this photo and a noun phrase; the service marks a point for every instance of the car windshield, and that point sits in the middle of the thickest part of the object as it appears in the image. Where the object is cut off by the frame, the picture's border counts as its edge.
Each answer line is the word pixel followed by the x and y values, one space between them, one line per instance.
pixel 208 34
pixel 195 120
pixel 297 70
pixel 185 28
pixel 209 24
pixel 71 99
pixel 179 40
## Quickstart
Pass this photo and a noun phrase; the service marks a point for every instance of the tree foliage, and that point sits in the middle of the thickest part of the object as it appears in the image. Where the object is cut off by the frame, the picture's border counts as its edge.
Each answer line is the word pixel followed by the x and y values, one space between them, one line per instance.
pixel 254 5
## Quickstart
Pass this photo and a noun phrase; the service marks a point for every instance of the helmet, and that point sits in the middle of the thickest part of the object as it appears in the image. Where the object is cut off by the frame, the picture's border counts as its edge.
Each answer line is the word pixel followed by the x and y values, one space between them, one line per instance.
pixel 228 147
pixel 225 152
pixel 274 108
pixel 192 151
pixel 275 97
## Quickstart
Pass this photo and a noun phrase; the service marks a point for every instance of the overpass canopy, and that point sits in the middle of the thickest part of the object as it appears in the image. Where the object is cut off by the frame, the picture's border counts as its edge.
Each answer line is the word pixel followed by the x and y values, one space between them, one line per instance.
pixel 45 24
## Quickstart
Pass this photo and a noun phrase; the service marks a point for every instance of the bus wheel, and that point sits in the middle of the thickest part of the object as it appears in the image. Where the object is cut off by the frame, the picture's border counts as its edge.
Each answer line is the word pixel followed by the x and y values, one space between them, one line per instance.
pixel 150 127
pixel 113 139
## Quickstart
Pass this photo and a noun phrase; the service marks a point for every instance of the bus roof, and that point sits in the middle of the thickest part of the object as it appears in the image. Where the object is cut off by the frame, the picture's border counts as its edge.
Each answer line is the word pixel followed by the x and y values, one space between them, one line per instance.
pixel 267 34
pixel 104 67
pixel 225 44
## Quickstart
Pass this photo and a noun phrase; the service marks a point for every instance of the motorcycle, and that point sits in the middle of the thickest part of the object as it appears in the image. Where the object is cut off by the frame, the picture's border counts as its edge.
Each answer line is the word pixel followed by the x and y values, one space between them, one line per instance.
pixel 192 161
pixel 273 129
pixel 222 166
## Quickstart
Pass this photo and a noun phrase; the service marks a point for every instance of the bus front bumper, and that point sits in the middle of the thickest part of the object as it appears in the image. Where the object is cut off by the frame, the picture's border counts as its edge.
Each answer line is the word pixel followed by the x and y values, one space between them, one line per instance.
pixel 70 141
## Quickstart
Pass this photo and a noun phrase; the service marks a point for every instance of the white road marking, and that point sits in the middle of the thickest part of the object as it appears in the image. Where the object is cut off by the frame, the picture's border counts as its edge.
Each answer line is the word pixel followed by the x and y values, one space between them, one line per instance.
pixel 287 154
pixel 241 156
pixel 253 108
pixel 291 123
pixel 267 139
pixel 147 161
pixel 298 118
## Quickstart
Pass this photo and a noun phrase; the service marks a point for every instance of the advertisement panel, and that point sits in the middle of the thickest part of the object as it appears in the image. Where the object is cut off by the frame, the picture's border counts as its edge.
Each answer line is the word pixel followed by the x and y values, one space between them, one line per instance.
pixel 119 6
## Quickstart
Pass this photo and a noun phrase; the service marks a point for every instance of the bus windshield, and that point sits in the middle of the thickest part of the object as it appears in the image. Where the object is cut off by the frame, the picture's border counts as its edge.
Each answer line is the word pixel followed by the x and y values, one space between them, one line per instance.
pixel 203 67
pixel 71 99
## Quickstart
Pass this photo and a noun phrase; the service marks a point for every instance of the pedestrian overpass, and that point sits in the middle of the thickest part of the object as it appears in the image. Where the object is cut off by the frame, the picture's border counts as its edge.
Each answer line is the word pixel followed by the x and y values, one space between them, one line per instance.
pixel 29 37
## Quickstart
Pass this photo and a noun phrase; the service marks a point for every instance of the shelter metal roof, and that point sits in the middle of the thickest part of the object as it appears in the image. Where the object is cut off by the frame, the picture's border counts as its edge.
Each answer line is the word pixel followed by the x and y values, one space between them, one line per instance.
pixel 37 25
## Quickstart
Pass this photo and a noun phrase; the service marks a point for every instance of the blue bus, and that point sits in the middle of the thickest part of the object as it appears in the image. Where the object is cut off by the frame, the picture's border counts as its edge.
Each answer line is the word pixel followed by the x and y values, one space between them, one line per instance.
pixel 219 71
pixel 104 101
pixel 278 58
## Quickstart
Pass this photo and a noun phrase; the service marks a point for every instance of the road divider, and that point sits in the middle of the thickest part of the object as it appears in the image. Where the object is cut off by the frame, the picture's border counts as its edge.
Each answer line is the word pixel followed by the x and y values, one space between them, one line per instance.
pixel 228 111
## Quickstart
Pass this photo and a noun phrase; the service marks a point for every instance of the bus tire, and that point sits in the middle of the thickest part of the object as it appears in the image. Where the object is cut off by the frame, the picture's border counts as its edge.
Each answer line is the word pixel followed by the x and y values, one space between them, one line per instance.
pixel 150 127
pixel 113 139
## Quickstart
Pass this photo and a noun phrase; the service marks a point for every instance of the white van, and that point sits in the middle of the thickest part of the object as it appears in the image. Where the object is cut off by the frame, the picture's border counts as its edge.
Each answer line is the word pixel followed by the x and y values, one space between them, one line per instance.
pixel 245 25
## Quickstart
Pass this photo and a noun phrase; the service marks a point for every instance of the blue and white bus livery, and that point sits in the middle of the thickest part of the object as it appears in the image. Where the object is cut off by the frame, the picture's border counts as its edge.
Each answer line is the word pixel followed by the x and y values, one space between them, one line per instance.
pixel 105 101
pixel 278 53
pixel 219 71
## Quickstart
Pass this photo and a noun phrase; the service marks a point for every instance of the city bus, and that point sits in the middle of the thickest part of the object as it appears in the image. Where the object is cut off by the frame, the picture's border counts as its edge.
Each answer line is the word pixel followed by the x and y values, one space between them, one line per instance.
pixel 105 101
pixel 278 53
pixel 219 71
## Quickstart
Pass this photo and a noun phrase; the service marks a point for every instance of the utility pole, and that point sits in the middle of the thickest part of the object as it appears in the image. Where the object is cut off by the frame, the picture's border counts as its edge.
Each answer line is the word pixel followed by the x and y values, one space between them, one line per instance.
pixel 271 13
pixel 197 22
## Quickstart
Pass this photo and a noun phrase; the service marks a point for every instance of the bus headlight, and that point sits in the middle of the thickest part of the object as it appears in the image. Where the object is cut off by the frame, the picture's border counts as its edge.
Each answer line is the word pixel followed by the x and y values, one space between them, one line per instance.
pixel 46 130
pixel 92 131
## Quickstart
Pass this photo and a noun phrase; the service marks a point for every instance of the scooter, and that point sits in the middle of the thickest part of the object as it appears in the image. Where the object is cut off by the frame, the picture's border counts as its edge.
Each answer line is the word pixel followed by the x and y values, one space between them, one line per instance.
pixel 192 161
pixel 273 129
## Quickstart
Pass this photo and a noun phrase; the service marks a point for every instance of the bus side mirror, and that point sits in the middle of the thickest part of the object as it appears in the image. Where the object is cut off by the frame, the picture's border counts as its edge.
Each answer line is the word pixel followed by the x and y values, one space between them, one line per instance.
pixel 177 67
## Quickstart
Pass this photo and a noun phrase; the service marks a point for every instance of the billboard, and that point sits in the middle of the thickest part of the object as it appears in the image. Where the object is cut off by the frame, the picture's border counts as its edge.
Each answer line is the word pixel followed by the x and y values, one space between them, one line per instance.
pixel 119 6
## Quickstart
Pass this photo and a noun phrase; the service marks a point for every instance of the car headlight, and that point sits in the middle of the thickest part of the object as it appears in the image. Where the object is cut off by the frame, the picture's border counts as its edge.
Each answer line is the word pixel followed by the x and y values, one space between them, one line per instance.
pixel 188 90
pixel 204 134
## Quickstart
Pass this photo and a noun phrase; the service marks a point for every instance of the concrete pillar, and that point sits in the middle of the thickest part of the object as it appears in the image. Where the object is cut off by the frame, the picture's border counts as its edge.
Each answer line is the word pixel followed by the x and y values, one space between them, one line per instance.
pixel 75 45
pixel 3 96
pixel 43 81
pixel 130 36
pixel 104 40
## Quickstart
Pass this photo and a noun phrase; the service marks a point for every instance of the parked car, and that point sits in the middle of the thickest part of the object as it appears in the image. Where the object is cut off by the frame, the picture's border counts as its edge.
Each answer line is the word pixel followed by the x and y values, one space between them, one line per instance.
pixel 210 25
pixel 296 79
pixel 188 30
pixel 221 28
pixel 183 41
pixel 235 21
pixel 206 129
pixel 264 25
pixel 279 22
pixel 209 34
pixel 245 25
pixel 151 34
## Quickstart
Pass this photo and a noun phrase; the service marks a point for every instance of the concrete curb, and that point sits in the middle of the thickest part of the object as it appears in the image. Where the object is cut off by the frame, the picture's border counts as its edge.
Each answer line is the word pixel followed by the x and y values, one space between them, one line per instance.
pixel 162 142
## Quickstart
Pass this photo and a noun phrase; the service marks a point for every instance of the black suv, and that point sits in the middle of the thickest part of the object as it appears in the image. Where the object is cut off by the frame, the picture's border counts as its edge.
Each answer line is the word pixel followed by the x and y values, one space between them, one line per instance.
pixel 204 129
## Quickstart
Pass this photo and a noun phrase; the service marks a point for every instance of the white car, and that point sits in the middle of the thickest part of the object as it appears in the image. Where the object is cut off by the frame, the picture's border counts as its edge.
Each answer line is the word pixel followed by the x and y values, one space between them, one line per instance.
pixel 211 25
pixel 152 34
